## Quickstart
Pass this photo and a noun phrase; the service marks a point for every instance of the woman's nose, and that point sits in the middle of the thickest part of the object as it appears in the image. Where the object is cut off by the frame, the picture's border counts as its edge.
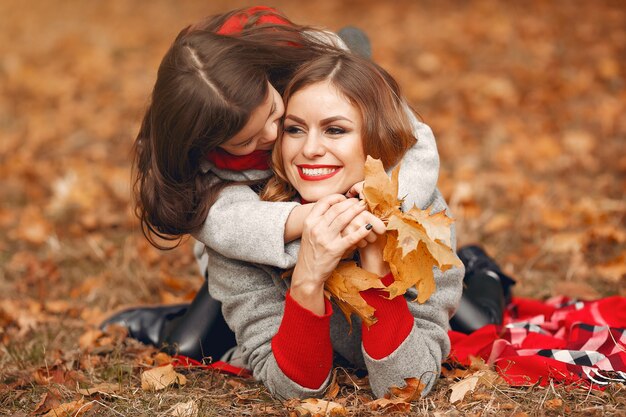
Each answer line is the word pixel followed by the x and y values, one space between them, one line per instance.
pixel 313 146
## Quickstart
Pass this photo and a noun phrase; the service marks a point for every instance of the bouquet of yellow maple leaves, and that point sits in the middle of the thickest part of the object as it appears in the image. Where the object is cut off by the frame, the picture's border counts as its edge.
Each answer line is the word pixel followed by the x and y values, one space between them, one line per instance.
pixel 416 242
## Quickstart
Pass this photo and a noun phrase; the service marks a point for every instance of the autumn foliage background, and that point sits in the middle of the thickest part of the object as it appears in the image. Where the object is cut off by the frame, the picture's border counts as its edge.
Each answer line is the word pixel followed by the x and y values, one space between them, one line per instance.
pixel 526 100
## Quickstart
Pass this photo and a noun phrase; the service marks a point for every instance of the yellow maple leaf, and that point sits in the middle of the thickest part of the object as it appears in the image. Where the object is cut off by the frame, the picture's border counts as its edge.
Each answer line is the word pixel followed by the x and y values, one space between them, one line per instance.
pixel 417 241
pixel 379 191
pixel 344 285
pixel 412 253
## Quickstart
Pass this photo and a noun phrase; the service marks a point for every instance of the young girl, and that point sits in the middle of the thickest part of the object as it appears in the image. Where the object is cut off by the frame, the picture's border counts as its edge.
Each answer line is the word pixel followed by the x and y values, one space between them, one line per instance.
pixel 340 108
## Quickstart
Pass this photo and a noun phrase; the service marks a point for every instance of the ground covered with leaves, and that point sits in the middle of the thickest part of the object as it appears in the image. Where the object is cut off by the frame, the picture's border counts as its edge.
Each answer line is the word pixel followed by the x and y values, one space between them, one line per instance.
pixel 526 100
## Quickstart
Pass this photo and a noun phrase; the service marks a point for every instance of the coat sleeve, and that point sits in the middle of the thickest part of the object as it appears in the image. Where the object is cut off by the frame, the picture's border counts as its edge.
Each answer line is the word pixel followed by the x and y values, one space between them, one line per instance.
pixel 419 169
pixel 421 353
pixel 240 226
pixel 253 303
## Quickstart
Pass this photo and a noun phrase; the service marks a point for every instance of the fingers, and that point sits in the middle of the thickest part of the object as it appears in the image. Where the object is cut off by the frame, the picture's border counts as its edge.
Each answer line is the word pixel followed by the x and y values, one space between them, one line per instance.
pixel 355 237
pixel 324 204
pixel 344 215
pixel 361 220
pixel 356 190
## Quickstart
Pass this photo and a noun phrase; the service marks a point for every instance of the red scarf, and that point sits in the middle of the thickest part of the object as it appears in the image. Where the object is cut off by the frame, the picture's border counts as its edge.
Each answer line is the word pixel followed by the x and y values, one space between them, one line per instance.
pixel 223 160
pixel 237 22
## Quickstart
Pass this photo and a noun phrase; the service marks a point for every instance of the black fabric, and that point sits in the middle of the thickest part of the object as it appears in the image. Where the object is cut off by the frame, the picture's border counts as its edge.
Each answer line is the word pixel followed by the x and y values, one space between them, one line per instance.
pixel 195 330
pixel 201 332
pixel 486 291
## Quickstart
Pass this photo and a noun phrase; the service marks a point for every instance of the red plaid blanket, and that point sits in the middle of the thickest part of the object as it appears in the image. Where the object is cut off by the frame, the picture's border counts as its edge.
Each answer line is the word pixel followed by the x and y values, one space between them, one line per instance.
pixel 560 339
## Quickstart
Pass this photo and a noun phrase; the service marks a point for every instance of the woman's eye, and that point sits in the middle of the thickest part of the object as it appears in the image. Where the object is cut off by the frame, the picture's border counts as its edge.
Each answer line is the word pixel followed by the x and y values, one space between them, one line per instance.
pixel 334 130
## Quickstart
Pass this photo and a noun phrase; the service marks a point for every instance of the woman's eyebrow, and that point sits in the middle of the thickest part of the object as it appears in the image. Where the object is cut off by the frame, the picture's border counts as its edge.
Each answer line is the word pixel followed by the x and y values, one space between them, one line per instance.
pixel 323 122
pixel 334 119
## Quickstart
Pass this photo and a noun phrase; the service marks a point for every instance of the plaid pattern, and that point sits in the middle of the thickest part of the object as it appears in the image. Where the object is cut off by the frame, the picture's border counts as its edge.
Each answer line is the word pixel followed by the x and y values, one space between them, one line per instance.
pixel 561 339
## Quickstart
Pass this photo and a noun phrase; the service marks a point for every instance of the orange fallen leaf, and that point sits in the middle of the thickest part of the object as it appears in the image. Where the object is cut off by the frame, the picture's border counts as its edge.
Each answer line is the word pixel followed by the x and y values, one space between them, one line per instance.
pixel 470 382
pixel 395 405
pixel 553 404
pixel 320 408
pixel 48 401
pixel 186 409
pixel 410 392
pixel 71 409
pixel 160 378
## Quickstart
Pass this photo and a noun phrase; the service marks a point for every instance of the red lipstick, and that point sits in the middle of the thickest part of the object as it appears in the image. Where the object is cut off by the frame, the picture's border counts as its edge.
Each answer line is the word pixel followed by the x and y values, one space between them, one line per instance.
pixel 307 177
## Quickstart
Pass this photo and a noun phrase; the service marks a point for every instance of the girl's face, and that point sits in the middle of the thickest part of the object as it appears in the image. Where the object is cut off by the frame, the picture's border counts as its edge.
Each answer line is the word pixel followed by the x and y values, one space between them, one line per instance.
pixel 261 131
pixel 321 145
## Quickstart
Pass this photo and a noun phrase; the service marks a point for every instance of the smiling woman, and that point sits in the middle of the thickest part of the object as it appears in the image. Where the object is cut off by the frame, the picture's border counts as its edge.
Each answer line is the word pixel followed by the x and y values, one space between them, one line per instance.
pixel 321 146
pixel 339 108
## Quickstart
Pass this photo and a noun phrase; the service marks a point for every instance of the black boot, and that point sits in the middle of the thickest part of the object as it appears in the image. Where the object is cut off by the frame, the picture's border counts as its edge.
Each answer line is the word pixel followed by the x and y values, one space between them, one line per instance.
pixel 486 292
pixel 201 332
pixel 195 330
pixel 146 324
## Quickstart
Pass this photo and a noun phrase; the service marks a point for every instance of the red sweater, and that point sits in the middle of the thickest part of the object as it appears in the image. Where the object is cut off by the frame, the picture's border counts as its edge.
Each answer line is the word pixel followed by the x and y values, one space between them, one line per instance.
pixel 302 346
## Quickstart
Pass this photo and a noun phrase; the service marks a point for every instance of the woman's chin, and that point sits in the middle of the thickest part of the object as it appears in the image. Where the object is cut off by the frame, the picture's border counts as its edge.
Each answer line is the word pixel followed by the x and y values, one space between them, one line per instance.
pixel 312 196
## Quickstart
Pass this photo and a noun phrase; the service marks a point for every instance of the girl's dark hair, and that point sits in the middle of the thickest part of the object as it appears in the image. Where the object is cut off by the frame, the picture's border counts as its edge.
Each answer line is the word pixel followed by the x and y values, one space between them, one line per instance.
pixel 386 129
pixel 206 89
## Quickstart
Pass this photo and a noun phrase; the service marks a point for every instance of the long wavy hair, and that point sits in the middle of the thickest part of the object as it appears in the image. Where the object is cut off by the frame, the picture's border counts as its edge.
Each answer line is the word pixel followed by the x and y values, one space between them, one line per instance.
pixel 207 86
pixel 386 129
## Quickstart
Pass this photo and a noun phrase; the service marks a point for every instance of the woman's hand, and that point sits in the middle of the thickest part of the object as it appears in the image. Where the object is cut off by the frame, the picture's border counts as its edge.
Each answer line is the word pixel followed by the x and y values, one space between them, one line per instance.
pixel 322 246
pixel 366 217
pixel 371 257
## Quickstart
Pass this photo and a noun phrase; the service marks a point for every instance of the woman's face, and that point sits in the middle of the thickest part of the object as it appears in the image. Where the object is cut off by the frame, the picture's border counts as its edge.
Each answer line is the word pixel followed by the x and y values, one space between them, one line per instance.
pixel 321 145
pixel 261 131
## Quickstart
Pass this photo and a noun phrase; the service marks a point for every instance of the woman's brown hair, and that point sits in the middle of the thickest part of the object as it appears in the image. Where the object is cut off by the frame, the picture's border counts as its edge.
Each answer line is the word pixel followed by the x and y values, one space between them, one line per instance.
pixel 206 89
pixel 387 133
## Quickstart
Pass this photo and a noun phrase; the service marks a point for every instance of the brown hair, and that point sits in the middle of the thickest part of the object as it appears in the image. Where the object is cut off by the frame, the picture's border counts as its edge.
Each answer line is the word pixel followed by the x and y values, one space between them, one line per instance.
pixel 206 89
pixel 387 132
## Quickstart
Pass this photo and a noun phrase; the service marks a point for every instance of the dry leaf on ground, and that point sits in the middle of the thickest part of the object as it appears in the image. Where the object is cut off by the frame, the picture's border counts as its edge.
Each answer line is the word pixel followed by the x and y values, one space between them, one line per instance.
pixel 160 378
pixel 410 392
pixel 396 405
pixel 470 382
pixel 71 409
pixel 320 408
pixel 188 409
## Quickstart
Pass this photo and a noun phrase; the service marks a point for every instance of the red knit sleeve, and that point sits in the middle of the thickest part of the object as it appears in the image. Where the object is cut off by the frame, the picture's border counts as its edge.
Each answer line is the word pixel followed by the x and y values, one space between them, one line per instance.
pixel 237 22
pixel 302 346
pixel 394 324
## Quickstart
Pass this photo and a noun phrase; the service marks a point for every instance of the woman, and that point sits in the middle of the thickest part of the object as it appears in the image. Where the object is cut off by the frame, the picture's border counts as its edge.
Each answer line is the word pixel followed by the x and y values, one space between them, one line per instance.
pixel 339 108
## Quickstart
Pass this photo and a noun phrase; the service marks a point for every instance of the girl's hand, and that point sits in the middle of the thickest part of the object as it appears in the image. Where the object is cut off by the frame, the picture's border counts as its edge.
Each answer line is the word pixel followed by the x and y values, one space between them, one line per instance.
pixel 322 247
pixel 356 190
